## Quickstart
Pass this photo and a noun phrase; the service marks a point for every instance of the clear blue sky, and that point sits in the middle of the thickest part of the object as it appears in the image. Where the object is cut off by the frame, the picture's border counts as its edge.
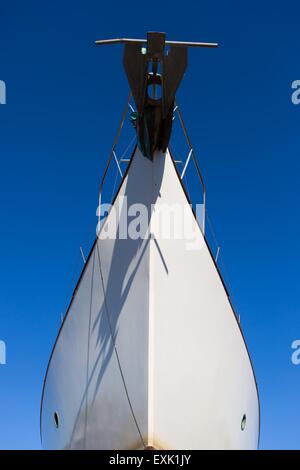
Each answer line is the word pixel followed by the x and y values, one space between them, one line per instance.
pixel 64 99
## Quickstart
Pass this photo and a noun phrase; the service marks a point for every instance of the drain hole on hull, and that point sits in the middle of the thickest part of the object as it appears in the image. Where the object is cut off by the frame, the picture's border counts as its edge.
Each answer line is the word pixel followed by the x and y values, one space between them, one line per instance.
pixel 243 422
pixel 56 419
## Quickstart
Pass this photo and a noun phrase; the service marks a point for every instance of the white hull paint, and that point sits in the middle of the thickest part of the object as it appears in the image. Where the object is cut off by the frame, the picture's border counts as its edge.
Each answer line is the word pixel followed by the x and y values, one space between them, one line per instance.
pixel 185 365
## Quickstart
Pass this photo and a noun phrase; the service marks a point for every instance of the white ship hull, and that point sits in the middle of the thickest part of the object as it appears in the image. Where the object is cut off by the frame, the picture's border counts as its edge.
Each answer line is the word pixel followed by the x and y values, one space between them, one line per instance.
pixel 150 352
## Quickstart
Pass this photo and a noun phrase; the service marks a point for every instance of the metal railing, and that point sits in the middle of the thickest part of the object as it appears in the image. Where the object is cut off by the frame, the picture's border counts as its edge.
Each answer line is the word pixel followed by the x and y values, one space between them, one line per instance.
pixel 118 161
pixel 191 157
pixel 113 155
